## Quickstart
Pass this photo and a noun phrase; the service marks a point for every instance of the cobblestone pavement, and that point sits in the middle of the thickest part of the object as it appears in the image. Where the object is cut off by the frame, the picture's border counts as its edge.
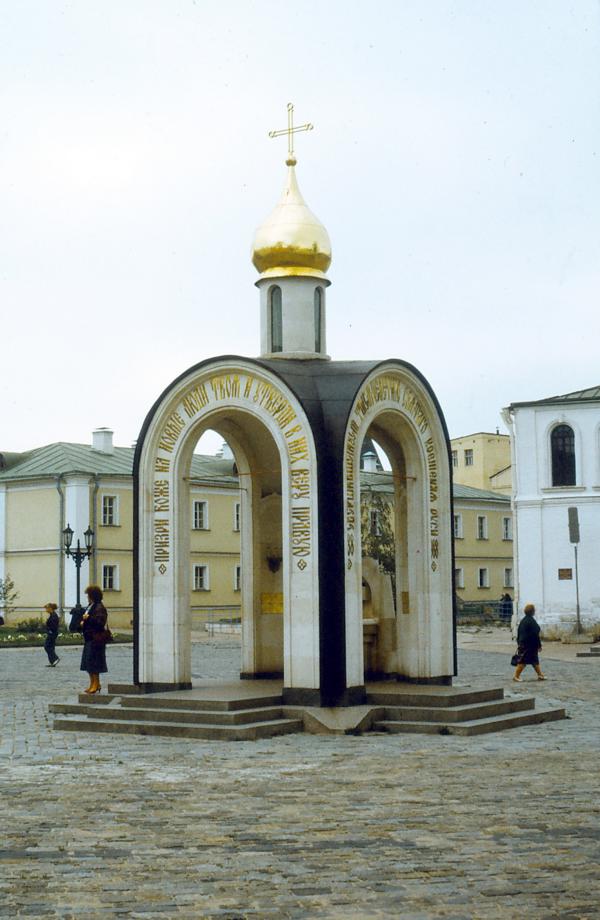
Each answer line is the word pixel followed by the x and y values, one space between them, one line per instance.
pixel 302 826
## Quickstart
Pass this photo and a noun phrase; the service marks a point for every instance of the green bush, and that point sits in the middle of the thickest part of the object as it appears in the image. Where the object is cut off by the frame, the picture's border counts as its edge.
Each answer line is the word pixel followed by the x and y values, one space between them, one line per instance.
pixel 30 626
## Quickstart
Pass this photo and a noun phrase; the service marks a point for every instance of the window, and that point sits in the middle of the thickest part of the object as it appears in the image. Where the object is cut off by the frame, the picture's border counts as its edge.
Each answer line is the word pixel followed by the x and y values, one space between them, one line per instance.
pixel 200 516
pixel 454 458
pixel 110 511
pixel 374 523
pixel 318 318
pixel 483 578
pixel 508 578
pixel 562 446
pixel 110 577
pixel 468 458
pixel 458 526
pixel 276 323
pixel 237 578
pixel 507 528
pixel 237 508
pixel 482 528
pixel 459 578
pixel 201 582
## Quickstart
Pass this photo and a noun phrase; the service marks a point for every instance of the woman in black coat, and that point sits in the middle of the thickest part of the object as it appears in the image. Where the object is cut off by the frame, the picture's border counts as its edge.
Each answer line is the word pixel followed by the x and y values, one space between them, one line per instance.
pixel 52 626
pixel 93 627
pixel 528 644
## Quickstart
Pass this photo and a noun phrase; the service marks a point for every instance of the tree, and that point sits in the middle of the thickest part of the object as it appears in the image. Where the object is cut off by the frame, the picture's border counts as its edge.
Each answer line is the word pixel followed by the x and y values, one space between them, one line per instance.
pixel 376 531
pixel 8 595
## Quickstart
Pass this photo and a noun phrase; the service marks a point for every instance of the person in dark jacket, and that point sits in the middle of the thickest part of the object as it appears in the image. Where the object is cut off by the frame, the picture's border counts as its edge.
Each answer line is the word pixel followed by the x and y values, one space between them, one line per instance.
pixel 52 625
pixel 93 627
pixel 528 644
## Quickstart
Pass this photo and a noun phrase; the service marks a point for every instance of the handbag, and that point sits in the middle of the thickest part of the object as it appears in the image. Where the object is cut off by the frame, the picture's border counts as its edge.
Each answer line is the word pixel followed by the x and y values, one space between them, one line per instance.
pixel 514 660
pixel 103 638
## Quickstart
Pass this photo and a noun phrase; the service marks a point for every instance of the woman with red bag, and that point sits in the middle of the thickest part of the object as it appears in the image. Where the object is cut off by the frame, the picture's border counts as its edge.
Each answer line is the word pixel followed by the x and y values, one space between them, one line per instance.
pixel 96 635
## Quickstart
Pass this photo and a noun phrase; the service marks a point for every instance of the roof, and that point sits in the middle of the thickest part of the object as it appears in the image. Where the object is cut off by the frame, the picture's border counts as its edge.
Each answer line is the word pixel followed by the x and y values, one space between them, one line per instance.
pixel 64 457
pixel 591 394
pixel 383 482
pixel 477 434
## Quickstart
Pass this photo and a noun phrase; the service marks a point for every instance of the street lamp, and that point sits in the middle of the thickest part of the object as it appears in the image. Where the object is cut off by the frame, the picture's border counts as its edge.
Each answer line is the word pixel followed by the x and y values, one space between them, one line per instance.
pixel 78 555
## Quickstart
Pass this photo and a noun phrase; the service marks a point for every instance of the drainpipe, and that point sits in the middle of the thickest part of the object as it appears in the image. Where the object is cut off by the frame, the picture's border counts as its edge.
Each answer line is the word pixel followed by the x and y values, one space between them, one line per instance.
pixel 93 565
pixel 509 421
pixel 61 525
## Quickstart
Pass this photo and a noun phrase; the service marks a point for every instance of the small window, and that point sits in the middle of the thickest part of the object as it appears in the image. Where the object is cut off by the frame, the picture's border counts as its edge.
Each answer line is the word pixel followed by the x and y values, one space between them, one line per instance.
pixel 482 528
pixel 110 508
pixel 458 526
pixel 454 458
pixel 201 582
pixel 237 509
pixel 200 515
pixel 469 458
pixel 508 578
pixel 507 533
pixel 318 319
pixel 374 523
pixel 110 577
pixel 459 578
pixel 562 444
pixel 237 578
pixel 276 319
pixel 483 578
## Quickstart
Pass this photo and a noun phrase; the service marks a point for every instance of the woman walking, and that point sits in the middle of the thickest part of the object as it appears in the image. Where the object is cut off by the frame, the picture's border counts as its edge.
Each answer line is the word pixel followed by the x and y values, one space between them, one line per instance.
pixel 52 625
pixel 528 644
pixel 93 626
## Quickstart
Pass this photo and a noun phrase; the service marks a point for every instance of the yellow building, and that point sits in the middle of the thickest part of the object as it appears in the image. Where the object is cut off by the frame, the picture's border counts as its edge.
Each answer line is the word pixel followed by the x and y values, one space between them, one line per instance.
pixel 43 490
pixel 483 461
pixel 483 536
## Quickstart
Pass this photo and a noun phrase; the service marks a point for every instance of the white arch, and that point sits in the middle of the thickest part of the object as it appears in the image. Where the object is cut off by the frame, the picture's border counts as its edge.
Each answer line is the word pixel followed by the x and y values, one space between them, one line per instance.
pixel 241 399
pixel 406 422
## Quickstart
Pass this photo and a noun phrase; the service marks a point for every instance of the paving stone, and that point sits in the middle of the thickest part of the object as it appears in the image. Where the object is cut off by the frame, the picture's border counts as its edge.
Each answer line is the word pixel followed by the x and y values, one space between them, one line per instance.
pixel 301 826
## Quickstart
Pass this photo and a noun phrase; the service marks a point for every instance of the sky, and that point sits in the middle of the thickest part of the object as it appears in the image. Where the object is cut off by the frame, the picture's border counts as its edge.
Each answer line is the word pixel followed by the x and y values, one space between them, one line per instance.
pixel 454 162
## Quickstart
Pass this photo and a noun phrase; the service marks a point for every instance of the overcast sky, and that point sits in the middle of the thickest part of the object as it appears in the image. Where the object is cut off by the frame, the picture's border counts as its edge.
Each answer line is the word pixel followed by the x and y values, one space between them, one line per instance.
pixel 454 162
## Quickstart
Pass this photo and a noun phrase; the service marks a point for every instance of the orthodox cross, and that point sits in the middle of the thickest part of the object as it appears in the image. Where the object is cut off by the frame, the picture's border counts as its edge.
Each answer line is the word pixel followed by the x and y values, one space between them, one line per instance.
pixel 290 131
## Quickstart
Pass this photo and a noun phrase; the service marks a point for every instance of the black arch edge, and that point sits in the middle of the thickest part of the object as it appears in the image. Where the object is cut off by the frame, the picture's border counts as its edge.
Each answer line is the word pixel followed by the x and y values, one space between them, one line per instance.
pixel 291 372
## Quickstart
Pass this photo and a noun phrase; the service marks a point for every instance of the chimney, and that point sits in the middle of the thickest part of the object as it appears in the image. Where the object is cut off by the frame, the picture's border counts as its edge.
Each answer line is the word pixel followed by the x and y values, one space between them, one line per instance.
pixel 102 441
pixel 369 462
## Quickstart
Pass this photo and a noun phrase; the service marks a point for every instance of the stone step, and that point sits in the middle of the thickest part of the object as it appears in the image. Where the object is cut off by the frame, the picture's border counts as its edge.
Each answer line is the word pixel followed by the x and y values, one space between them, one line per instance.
pixel 190 717
pixel 250 732
pixel 594 652
pixel 457 713
pixel 475 726
pixel 442 696
pixel 151 701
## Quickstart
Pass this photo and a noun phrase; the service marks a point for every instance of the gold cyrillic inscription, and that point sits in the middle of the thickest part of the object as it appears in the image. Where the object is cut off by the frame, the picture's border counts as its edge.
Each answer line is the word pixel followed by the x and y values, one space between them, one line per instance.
pixel 301 531
pixel 195 400
pixel 171 432
pixel 300 483
pixel 161 495
pixel 161 540
pixel 162 464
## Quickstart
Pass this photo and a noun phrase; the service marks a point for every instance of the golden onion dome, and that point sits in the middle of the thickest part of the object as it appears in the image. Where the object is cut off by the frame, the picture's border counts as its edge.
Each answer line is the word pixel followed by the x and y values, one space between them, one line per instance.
pixel 291 241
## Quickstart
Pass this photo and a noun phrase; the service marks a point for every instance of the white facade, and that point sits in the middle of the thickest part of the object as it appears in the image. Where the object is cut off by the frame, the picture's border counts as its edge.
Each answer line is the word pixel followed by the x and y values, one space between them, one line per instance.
pixel 544 555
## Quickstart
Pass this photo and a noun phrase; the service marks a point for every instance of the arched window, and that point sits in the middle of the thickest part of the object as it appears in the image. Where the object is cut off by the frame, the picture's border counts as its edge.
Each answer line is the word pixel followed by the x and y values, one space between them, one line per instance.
pixel 562 446
pixel 276 324
pixel 318 318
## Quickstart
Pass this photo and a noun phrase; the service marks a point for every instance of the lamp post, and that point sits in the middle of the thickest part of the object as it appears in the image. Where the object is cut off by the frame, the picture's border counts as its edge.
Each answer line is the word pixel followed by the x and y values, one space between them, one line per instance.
pixel 78 555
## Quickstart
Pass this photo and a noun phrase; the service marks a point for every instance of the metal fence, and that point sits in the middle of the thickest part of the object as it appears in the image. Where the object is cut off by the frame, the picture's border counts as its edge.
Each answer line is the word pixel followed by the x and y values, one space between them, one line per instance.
pixel 483 613
pixel 213 620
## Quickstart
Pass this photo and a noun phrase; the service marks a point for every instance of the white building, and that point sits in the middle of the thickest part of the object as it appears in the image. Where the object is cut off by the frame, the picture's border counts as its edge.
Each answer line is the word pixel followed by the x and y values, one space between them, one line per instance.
pixel 556 464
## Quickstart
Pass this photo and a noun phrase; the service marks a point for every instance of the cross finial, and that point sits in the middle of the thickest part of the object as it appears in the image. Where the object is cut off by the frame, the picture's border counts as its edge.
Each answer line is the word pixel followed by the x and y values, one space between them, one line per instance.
pixel 290 131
